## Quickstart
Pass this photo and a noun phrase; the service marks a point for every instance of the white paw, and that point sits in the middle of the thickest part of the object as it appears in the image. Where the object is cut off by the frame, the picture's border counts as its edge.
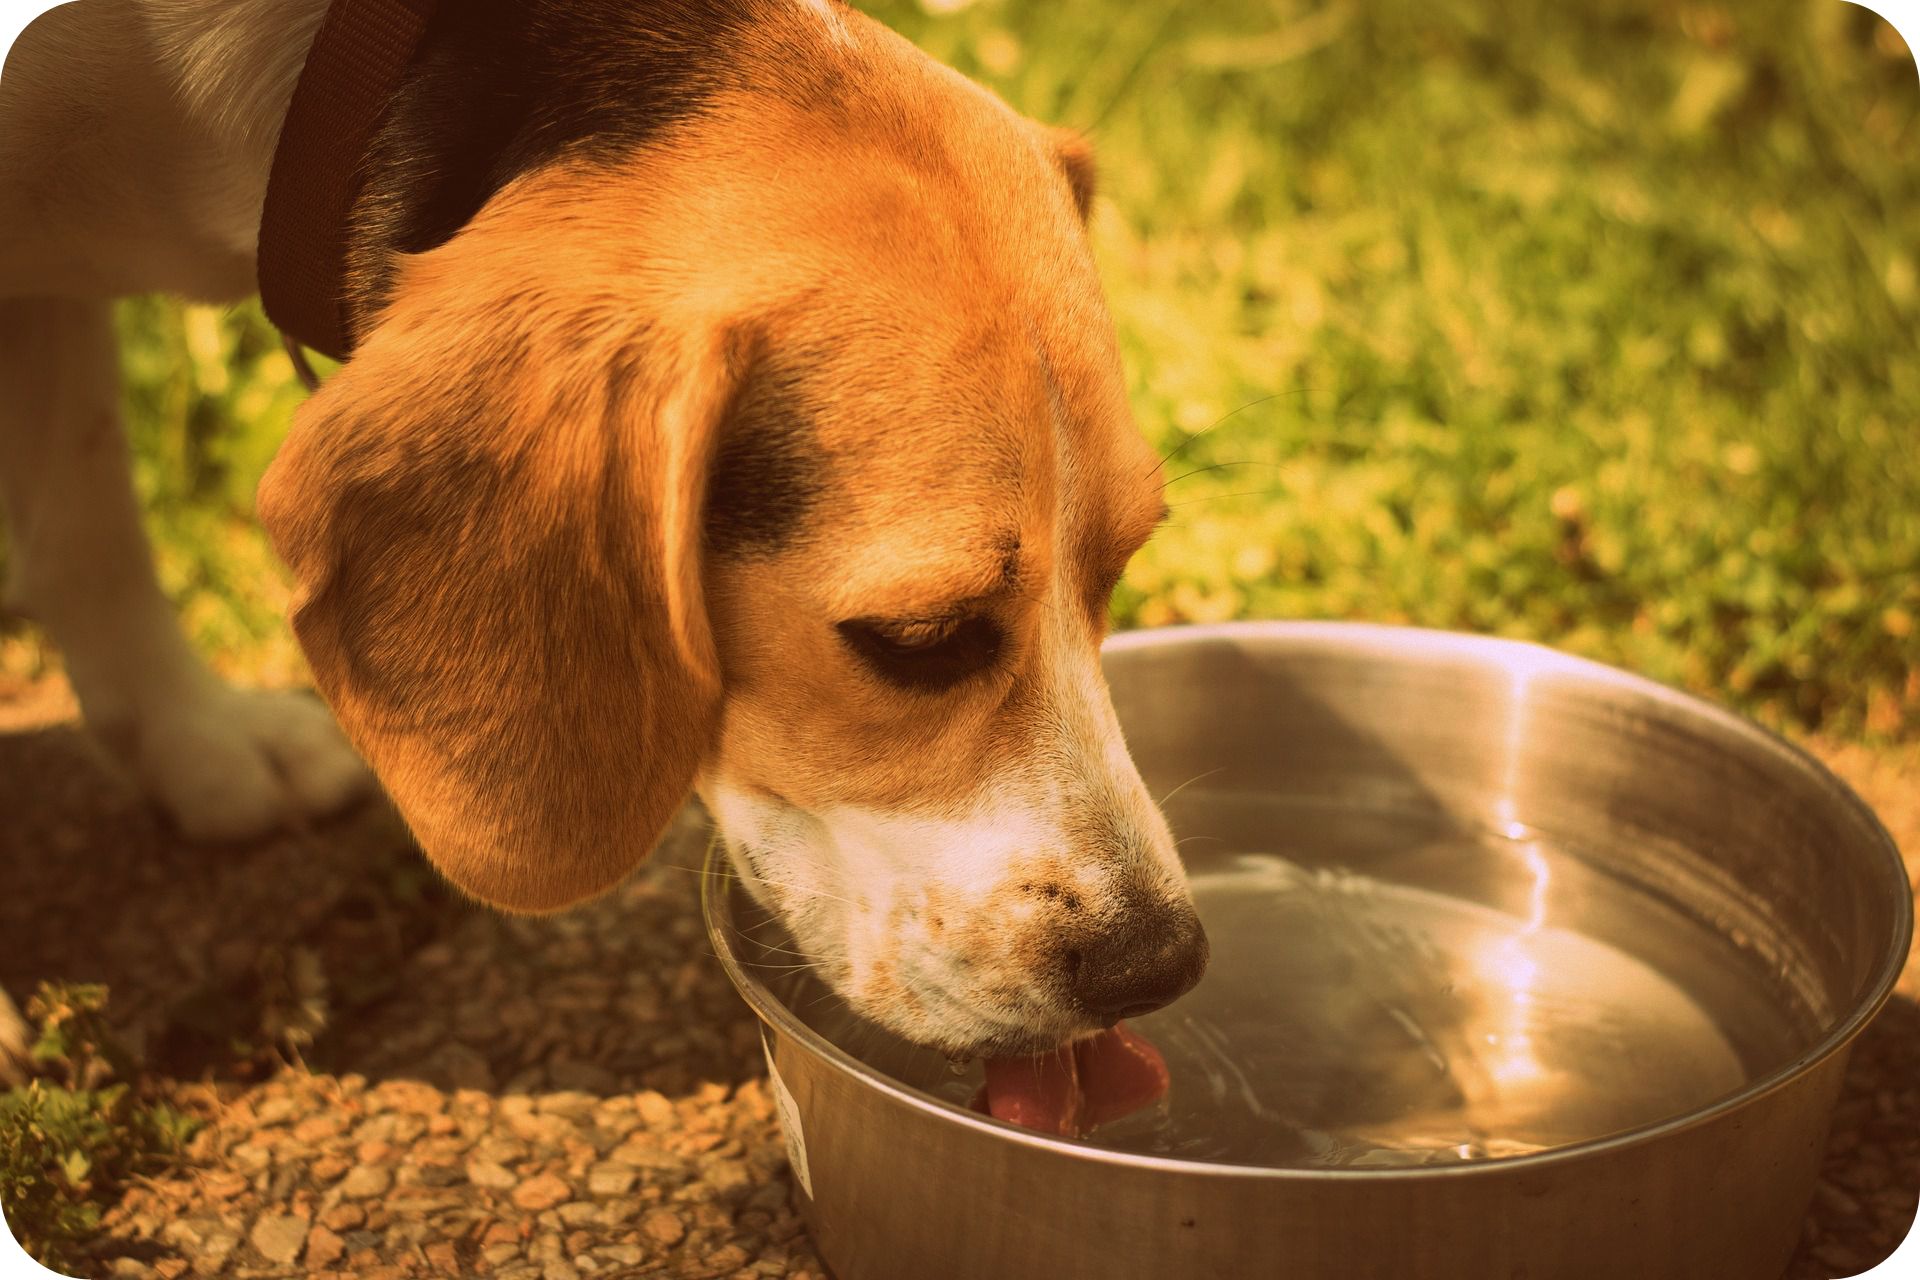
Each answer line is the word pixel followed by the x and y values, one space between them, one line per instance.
pixel 13 1043
pixel 232 764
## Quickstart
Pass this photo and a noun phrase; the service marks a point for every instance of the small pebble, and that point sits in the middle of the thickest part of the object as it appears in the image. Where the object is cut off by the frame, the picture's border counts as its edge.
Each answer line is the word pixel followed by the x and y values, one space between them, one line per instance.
pixel 542 1192
pixel 364 1181
pixel 279 1236
pixel 494 1177
pixel 324 1247
pixel 611 1180
pixel 664 1227
pixel 343 1217
pixel 656 1110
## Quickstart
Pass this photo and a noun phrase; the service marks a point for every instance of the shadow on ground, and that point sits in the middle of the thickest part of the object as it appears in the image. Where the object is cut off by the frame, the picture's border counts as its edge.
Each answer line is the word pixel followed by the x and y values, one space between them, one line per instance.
pixel 343 932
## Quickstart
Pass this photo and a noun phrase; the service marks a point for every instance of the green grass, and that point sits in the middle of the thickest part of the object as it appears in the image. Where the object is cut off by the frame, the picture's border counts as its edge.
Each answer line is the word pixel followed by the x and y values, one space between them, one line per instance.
pixel 1587 324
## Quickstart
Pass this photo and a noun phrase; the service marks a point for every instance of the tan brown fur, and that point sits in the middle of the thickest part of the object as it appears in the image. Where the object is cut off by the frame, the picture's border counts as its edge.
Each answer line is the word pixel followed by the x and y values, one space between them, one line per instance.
pixel 691 334
pixel 492 512
pixel 495 510
pixel 551 359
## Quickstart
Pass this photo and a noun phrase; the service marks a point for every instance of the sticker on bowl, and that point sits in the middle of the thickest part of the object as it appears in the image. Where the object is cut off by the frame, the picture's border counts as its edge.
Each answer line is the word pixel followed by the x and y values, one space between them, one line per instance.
pixel 789 1114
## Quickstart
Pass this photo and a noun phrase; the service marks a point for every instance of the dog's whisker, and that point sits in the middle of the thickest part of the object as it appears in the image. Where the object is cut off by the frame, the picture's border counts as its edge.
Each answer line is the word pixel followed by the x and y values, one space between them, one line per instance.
pixel 759 967
pixel 818 969
pixel 1215 497
pixel 760 879
pixel 1217 466
pixel 803 891
pixel 1338 414
pixel 759 926
pixel 1180 448
pixel 766 922
pixel 785 951
pixel 1189 782
pixel 863 1036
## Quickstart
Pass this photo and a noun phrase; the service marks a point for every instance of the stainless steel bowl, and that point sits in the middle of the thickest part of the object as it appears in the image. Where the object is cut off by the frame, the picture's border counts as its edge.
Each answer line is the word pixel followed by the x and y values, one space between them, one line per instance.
pixel 1523 967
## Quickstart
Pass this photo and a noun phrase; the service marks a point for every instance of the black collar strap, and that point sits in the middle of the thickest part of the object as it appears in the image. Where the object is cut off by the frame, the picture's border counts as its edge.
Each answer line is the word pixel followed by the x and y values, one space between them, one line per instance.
pixel 358 56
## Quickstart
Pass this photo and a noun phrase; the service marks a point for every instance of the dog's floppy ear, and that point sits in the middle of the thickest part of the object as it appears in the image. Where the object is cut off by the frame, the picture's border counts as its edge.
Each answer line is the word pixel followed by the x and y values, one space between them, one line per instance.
pixel 1073 152
pixel 492 515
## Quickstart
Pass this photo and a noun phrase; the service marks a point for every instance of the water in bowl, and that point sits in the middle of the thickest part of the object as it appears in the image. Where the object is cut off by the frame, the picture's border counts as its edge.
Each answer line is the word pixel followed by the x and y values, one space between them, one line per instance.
pixel 1389 990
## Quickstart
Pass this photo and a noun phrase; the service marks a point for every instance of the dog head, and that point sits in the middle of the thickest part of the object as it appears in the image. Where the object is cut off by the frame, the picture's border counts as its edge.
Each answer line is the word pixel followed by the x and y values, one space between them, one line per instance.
pixel 786 459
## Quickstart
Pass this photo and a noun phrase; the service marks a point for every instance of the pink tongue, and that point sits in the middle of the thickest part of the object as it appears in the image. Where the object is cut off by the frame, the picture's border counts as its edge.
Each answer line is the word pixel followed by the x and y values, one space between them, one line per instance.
pixel 1071 1091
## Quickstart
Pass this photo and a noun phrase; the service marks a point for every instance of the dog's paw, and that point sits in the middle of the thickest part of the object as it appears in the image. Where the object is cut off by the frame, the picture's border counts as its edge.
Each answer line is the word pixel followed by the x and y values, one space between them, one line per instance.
pixel 236 764
pixel 14 1037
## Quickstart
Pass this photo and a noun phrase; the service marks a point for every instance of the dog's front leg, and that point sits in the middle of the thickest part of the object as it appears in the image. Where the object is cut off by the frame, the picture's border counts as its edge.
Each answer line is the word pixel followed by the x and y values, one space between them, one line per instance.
pixel 225 764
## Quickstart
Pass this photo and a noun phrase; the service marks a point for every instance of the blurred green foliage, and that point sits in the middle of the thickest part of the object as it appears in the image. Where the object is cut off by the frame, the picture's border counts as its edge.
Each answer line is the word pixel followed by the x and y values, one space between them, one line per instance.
pixel 1591 324
pixel 72 1136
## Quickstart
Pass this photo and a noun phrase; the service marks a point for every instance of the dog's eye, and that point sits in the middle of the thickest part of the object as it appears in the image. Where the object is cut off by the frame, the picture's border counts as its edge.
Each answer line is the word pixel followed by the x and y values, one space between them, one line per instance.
pixel 924 654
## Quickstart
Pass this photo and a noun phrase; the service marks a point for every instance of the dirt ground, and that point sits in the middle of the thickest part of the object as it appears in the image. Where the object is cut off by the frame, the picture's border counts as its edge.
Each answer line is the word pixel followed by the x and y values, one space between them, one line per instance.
pixel 580 1095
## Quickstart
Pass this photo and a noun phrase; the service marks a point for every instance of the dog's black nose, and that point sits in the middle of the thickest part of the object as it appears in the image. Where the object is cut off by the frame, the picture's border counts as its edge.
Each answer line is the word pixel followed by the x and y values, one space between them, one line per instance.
pixel 1153 956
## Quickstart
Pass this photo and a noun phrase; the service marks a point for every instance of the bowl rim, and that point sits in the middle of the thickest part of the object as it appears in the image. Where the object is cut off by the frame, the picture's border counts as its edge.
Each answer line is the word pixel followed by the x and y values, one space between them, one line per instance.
pixel 716 882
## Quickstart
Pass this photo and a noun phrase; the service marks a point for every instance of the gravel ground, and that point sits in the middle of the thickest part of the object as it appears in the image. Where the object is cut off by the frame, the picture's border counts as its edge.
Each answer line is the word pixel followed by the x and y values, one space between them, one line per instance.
pixel 579 1095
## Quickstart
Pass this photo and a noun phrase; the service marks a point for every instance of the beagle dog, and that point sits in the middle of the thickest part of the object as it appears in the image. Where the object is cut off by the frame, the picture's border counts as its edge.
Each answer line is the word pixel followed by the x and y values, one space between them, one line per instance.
pixel 734 409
